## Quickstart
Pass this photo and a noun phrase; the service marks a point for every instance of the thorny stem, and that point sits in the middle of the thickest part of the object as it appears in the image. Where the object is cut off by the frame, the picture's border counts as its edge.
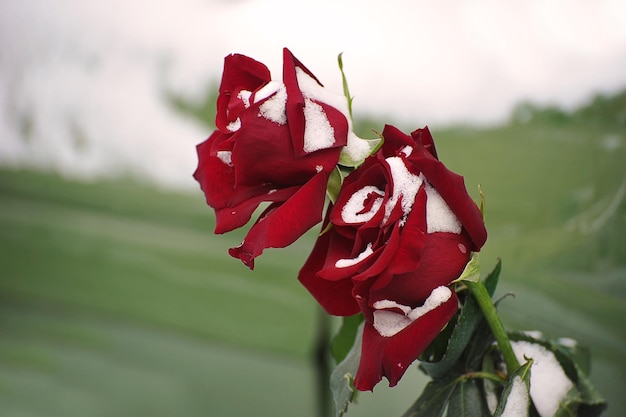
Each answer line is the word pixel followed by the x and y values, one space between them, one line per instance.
pixel 483 299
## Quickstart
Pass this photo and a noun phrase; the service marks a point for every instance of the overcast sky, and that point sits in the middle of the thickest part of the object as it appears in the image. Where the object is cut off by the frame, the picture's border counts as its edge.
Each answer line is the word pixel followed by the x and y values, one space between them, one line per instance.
pixel 84 79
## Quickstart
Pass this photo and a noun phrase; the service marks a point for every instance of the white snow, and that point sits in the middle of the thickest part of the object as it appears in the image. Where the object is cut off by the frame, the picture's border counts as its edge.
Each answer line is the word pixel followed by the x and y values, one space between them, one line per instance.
pixel 405 187
pixel 225 157
pixel 312 90
pixel 517 402
pixel 351 211
pixel 357 148
pixel 344 263
pixel 273 108
pixel 439 217
pixel 389 323
pixel 234 126
pixel 548 382
pixel 267 90
pixel 318 133
pixel 244 95
pixel 406 151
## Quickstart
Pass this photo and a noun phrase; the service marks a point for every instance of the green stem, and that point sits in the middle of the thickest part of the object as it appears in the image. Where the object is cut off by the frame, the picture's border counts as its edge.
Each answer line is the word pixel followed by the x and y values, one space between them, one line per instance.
pixel 481 375
pixel 483 299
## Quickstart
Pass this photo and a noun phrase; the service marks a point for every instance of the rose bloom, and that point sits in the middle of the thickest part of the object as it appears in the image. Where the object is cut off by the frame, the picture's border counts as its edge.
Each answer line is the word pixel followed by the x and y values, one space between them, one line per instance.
pixel 276 142
pixel 402 229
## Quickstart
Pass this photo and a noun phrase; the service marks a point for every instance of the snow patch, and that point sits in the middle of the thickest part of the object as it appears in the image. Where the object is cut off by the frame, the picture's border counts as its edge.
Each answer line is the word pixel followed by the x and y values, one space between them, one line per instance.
pixel 274 108
pixel 439 217
pixel 234 126
pixel 351 212
pixel 344 263
pixel 388 323
pixel 548 383
pixel 517 402
pixel 244 95
pixel 225 157
pixel 318 133
pixel 405 187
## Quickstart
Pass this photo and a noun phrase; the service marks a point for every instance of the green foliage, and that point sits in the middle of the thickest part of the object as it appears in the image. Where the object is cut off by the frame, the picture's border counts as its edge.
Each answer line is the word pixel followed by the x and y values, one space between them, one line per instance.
pixel 342 377
pixel 467 400
pixel 344 81
pixel 469 318
pixel 117 296
pixel 522 375
pixel 434 399
pixel 345 338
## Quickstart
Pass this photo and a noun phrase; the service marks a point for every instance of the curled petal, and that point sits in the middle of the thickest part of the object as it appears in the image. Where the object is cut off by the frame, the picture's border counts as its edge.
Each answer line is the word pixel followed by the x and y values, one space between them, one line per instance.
pixel 282 224
pixel 391 356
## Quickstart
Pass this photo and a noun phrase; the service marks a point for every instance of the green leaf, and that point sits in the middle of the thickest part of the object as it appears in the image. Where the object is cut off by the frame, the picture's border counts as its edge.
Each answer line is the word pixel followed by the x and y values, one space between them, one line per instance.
pixel 346 90
pixel 472 270
pixel 480 344
pixel 592 404
pixel 491 282
pixel 364 147
pixel 516 393
pixel 579 354
pixel 482 201
pixel 434 399
pixel 469 318
pixel 467 400
pixel 564 359
pixel 334 184
pixel 345 338
pixel 342 376
pixel 582 399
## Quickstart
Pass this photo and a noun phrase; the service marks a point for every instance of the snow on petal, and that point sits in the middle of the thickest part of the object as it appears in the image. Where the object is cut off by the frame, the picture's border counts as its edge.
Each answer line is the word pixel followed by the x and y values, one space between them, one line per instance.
pixel 405 186
pixel 225 157
pixel 436 298
pixel 352 211
pixel 244 95
pixel 318 133
pixel 267 90
pixel 439 217
pixel 388 304
pixel 388 323
pixel 234 126
pixel 274 108
pixel 344 263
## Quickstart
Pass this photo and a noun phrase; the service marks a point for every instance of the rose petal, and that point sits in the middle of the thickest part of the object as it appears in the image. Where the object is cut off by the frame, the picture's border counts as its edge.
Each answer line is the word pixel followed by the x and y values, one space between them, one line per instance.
pixel 450 186
pixel 441 261
pixel 233 205
pixel 263 152
pixel 283 224
pixel 240 72
pixel 334 296
pixel 391 356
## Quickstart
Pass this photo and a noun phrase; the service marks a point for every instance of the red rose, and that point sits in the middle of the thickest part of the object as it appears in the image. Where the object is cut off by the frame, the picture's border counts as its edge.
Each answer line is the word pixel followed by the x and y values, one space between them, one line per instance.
pixel 403 228
pixel 277 142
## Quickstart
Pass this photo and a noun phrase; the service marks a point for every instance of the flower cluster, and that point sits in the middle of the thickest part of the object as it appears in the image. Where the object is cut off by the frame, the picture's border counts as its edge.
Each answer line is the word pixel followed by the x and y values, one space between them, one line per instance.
pixel 400 230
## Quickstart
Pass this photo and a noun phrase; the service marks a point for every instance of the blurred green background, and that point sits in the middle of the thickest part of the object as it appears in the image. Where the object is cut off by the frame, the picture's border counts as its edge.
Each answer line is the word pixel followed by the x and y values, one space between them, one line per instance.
pixel 117 300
